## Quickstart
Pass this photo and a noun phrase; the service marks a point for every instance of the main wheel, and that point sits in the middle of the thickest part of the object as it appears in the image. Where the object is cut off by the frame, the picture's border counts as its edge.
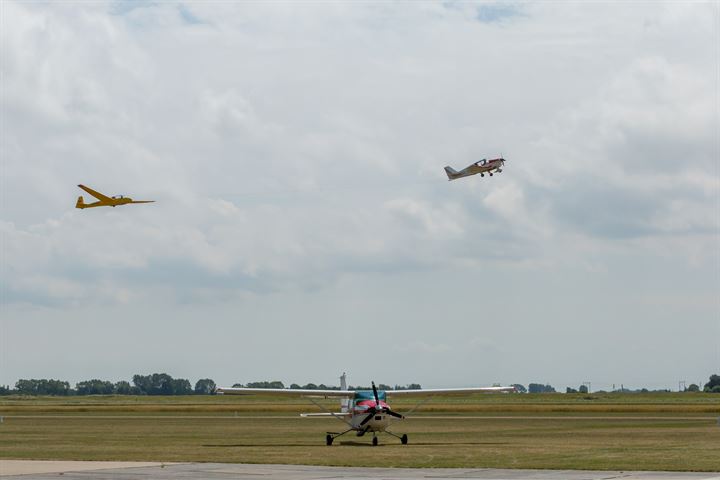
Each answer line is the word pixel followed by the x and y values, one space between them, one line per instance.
pixel 375 441
pixel 403 439
pixel 491 174
pixel 328 440
pixel 482 174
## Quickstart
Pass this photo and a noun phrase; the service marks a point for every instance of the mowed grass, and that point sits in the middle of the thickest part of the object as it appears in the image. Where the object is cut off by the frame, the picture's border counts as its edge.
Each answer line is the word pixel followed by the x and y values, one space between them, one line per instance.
pixel 613 435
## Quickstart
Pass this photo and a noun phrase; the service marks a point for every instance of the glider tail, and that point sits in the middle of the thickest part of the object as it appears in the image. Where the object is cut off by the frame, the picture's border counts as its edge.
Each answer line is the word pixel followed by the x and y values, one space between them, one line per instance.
pixel 451 173
pixel 80 202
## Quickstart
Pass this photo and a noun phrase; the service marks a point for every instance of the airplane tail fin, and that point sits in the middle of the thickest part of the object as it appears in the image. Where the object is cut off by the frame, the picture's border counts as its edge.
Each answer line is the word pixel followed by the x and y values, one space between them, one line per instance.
pixel 451 173
pixel 80 202
pixel 345 403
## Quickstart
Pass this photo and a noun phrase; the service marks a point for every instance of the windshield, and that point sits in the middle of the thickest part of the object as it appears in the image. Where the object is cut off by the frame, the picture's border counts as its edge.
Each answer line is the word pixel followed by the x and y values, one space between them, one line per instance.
pixel 368 395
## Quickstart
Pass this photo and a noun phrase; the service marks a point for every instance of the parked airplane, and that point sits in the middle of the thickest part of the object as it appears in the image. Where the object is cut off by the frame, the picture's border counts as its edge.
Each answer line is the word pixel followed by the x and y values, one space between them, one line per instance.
pixel 105 201
pixel 363 411
pixel 482 167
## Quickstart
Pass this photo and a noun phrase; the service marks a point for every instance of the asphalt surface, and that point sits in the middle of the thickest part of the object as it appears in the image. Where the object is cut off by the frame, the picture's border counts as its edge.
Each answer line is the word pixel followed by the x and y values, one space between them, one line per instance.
pixel 212 471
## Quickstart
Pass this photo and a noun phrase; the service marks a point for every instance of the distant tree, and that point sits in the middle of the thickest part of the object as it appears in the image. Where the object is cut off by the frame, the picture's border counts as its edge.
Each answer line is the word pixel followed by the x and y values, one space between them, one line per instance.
pixel 519 388
pixel 181 386
pixel 310 386
pixel 25 387
pixel 205 386
pixel 570 390
pixel 410 386
pixel 123 388
pixel 95 387
pixel 238 385
pixel 143 383
pixel 540 388
pixel 692 388
pixel 714 382
pixel 273 384
pixel 161 384
pixel 583 389
pixel 6 390
pixel 715 389
pixel 42 387
pixel 295 386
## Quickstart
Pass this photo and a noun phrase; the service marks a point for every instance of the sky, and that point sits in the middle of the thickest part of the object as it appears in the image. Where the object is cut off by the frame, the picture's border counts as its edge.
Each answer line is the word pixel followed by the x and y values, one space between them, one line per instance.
pixel 304 225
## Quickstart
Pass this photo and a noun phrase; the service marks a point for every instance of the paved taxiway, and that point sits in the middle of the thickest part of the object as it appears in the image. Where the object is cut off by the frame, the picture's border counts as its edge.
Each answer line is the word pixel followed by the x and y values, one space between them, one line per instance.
pixel 135 470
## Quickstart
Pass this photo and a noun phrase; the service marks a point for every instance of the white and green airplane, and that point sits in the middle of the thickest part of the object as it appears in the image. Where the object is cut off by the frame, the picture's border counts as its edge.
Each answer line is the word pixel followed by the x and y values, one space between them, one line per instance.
pixel 362 411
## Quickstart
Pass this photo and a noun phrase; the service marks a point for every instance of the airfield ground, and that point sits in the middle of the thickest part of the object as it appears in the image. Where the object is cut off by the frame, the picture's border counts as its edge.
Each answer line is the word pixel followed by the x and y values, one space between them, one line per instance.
pixel 678 432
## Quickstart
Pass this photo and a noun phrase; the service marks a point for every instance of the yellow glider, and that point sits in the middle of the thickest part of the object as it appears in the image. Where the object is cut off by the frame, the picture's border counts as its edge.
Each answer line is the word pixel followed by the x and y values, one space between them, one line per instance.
pixel 105 201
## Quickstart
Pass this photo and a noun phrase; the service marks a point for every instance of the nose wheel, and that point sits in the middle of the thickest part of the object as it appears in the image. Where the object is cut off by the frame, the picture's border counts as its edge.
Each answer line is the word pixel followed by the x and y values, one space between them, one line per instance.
pixel 375 441
pixel 403 439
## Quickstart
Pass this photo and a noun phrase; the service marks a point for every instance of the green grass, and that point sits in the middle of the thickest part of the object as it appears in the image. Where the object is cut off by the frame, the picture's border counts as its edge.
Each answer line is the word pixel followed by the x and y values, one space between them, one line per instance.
pixel 560 433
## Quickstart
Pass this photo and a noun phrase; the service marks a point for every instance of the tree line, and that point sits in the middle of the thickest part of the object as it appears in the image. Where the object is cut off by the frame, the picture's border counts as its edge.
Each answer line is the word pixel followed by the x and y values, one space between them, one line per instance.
pixel 164 384
pixel 153 384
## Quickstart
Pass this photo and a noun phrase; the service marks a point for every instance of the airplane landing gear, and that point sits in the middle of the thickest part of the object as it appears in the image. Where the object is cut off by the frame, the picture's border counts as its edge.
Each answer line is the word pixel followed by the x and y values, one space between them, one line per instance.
pixel 403 439
pixel 333 435
pixel 482 174
pixel 490 173
pixel 375 441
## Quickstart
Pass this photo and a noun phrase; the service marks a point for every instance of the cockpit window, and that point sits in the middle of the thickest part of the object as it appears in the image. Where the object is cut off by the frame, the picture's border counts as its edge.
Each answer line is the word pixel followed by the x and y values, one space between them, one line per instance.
pixel 368 395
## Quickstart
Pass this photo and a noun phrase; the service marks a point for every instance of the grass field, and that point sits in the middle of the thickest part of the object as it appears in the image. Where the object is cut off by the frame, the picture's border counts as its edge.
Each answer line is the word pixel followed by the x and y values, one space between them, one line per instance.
pixel 614 432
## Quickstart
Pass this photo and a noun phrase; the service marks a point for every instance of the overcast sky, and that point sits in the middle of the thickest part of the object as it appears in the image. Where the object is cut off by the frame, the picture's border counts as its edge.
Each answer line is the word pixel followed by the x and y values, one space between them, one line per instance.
pixel 304 225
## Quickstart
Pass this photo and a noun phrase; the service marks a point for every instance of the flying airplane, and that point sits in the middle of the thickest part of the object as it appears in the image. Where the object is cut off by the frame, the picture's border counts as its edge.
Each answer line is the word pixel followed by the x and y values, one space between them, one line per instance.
pixel 482 167
pixel 362 411
pixel 105 201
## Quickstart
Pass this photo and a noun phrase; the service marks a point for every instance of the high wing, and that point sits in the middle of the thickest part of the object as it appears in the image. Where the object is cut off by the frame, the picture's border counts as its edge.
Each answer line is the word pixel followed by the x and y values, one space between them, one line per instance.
pixel 290 392
pixel 95 194
pixel 143 201
pixel 326 414
pixel 447 391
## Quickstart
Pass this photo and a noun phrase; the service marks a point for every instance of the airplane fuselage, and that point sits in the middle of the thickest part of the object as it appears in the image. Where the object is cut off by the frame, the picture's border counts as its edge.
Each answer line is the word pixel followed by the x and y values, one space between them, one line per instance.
pixel 103 203
pixel 482 167
pixel 379 421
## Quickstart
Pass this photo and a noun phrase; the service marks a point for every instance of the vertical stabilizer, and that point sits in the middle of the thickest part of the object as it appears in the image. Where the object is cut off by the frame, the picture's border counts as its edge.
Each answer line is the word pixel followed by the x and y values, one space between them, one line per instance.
pixel 452 173
pixel 345 403
pixel 80 202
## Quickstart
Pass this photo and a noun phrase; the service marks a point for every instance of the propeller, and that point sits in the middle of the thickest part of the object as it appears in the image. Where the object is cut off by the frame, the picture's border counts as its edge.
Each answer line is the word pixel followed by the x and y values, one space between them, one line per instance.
pixel 378 408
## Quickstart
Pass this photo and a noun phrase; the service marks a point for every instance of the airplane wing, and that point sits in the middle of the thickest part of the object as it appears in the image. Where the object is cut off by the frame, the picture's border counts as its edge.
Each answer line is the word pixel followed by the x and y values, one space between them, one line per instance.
pixel 95 194
pixel 326 414
pixel 290 392
pixel 447 391
pixel 143 201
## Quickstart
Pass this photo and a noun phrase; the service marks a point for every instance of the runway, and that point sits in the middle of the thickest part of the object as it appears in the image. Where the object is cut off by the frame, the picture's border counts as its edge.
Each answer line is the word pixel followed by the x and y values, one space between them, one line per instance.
pixel 42 470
